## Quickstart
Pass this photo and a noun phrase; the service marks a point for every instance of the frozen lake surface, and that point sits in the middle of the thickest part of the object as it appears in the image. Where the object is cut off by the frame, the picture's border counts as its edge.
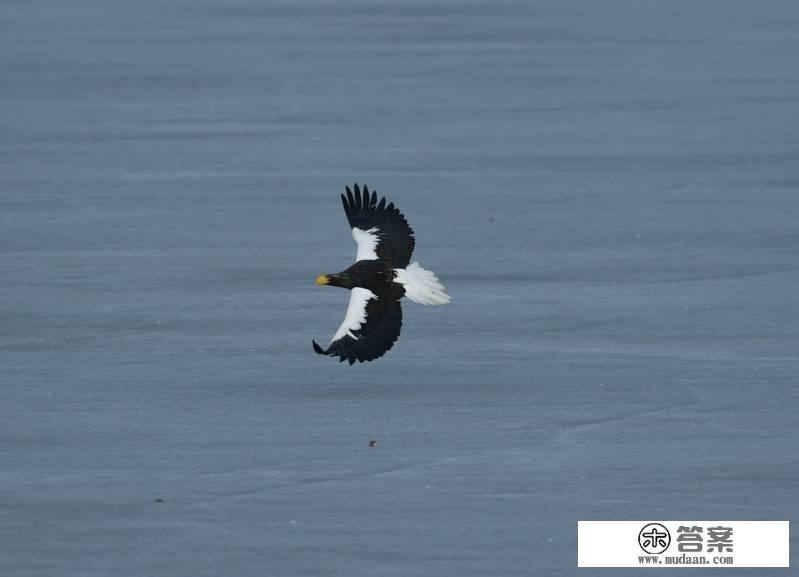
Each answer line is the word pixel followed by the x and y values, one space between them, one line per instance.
pixel 609 193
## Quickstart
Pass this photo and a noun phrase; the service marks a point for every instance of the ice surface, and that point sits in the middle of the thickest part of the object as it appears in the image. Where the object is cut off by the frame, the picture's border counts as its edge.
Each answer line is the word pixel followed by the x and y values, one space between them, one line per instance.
pixel 608 190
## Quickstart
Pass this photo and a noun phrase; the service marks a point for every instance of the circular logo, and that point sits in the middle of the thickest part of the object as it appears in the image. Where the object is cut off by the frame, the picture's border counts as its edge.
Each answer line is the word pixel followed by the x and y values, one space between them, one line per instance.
pixel 654 538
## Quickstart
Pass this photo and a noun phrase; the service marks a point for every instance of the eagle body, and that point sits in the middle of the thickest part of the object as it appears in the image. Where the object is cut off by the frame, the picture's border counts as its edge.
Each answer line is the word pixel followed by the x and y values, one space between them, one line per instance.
pixel 379 278
pixel 374 275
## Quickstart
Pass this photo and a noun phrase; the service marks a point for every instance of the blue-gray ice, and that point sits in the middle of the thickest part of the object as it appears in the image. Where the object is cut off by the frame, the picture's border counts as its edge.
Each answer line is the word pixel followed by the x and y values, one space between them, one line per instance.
pixel 609 191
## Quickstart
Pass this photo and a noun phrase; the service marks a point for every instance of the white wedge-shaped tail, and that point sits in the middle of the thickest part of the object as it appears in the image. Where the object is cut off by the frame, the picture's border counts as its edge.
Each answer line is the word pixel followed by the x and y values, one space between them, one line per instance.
pixel 421 285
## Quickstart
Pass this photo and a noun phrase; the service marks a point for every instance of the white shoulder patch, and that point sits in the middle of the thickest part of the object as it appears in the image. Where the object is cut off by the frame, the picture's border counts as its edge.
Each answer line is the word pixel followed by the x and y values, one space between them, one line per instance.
pixel 367 243
pixel 356 311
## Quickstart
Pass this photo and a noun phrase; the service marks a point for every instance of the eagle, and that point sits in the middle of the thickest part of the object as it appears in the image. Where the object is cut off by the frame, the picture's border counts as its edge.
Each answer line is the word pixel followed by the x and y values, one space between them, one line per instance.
pixel 378 280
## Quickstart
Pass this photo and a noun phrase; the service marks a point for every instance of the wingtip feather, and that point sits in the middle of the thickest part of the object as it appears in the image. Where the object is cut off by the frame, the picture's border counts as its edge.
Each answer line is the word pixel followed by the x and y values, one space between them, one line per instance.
pixel 356 194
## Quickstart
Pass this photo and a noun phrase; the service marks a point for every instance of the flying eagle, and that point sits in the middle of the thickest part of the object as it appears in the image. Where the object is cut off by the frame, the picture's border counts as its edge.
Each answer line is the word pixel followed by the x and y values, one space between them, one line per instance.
pixel 378 280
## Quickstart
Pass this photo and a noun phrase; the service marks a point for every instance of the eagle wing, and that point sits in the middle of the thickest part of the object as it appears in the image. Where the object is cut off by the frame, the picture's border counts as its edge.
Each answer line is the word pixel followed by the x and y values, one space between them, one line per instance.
pixel 380 231
pixel 370 327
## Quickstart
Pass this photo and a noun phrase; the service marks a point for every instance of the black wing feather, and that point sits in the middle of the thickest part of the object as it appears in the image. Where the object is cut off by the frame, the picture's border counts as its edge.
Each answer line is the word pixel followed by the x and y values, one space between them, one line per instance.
pixel 357 195
pixel 396 243
pixel 350 200
pixel 376 336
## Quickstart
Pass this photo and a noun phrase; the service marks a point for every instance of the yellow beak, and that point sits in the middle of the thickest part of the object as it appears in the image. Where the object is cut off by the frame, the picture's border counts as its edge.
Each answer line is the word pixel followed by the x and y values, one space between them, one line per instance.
pixel 322 279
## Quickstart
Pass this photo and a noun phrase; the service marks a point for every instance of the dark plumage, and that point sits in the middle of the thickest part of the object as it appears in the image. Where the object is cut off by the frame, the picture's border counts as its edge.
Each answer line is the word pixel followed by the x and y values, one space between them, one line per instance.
pixel 396 236
pixel 378 280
